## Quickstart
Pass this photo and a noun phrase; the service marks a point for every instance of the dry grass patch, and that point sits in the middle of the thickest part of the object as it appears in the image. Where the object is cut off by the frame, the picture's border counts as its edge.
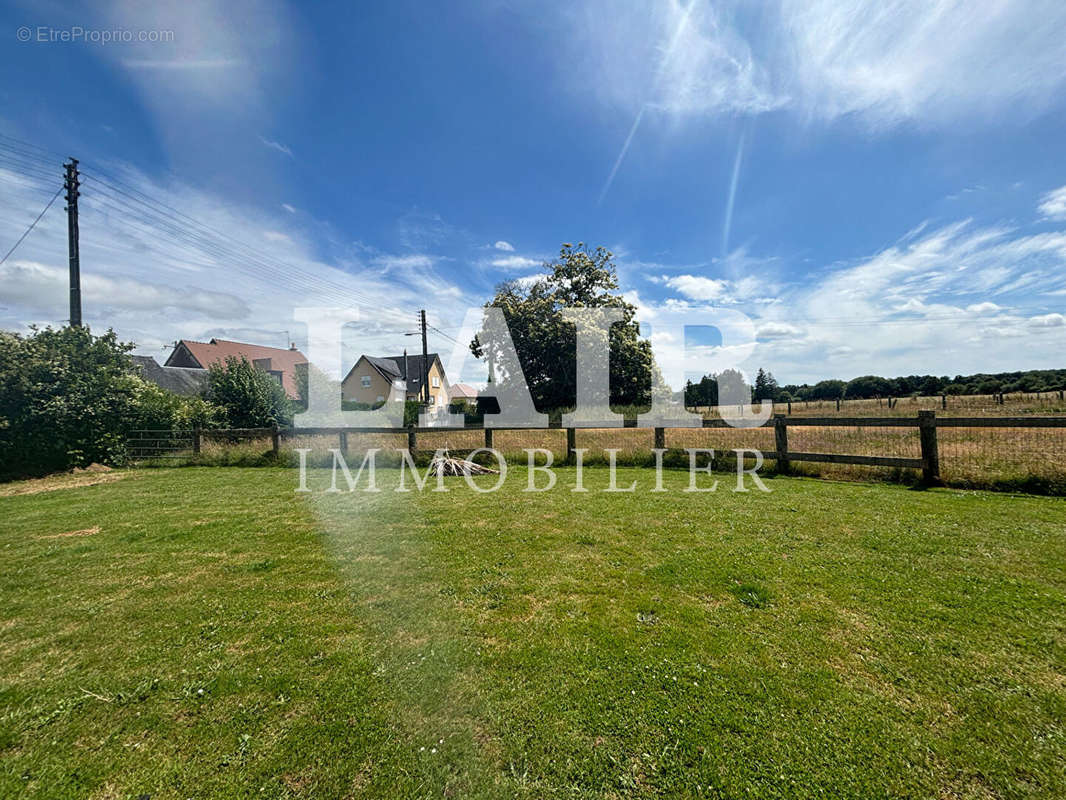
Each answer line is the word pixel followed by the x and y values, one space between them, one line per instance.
pixel 65 480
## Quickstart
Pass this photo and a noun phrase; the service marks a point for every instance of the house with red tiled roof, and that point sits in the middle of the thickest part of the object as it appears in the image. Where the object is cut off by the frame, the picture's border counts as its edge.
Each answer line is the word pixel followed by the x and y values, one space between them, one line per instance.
pixel 463 391
pixel 276 361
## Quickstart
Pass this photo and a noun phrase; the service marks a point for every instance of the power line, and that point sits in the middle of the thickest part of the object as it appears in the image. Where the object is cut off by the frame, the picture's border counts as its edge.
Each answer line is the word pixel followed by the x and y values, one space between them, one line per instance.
pixel 31 146
pixel 442 333
pixel 32 225
pixel 209 239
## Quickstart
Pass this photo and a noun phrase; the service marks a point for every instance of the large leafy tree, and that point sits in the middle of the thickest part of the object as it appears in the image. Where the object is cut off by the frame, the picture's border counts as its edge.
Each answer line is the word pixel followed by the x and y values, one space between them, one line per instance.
pixel 580 277
pixel 66 399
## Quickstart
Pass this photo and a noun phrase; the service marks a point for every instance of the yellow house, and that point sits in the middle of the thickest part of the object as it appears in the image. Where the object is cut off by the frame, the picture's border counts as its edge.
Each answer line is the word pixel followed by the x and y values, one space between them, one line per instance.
pixel 369 380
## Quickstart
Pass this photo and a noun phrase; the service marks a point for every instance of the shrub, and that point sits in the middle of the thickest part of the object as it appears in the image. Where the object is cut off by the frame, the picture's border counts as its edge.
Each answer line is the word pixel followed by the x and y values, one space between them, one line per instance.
pixel 246 396
pixel 66 398
pixel 155 408
pixel 472 415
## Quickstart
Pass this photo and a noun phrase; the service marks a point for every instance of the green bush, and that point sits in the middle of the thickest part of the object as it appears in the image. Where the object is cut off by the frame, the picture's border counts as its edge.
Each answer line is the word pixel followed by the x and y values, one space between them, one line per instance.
pixel 245 396
pixel 66 399
pixel 155 408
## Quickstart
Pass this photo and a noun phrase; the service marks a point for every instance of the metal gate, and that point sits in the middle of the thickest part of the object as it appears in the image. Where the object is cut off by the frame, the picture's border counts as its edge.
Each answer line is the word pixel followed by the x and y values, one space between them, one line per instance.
pixel 151 444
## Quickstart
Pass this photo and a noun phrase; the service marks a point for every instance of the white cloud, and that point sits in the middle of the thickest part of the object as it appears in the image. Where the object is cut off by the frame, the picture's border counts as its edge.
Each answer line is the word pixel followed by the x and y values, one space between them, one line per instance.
pixel 778 330
pixel 927 60
pixel 502 245
pixel 527 280
pixel 281 148
pixel 41 286
pixel 1047 321
pixel 955 299
pixel 695 287
pixel 753 288
pixel 923 58
pixel 408 262
pixel 666 57
pixel 287 207
pixel 514 262
pixel 156 283
pixel 1053 204
pixel 923 305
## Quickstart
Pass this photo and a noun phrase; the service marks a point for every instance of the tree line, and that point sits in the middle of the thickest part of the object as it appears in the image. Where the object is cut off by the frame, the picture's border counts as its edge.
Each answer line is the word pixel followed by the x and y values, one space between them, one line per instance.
pixel 705 391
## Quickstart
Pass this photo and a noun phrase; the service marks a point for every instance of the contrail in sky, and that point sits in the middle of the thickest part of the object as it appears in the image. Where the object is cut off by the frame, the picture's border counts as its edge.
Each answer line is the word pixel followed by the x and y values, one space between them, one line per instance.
pixel 640 114
pixel 732 197
pixel 622 154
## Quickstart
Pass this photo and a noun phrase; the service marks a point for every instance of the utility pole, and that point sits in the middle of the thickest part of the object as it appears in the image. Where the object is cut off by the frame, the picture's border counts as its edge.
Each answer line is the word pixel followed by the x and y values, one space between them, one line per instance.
pixel 425 358
pixel 71 184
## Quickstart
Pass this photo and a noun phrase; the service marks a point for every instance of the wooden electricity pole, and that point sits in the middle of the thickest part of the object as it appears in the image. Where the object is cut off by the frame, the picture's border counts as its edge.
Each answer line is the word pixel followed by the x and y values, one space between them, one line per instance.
pixel 71 184
pixel 425 358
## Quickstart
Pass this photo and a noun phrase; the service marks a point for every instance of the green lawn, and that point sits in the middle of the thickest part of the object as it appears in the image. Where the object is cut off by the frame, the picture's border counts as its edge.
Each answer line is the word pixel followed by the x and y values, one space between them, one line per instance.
pixel 209 633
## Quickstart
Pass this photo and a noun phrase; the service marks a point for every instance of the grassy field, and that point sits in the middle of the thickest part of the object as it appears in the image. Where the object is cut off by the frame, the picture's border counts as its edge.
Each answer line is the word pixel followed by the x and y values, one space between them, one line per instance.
pixel 208 633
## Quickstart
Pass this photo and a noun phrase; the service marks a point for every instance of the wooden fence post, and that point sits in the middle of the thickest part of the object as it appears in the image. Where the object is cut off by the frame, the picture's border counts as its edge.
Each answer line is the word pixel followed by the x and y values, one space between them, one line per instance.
pixel 412 440
pixel 790 407
pixel 781 442
pixel 943 401
pixel 343 441
pixel 275 438
pixel 196 440
pixel 660 438
pixel 930 454
pixel 571 443
pixel 488 438
pixel 838 404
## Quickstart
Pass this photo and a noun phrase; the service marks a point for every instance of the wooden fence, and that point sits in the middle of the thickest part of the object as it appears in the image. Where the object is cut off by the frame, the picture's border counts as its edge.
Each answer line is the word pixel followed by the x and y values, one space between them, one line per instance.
pixel 174 443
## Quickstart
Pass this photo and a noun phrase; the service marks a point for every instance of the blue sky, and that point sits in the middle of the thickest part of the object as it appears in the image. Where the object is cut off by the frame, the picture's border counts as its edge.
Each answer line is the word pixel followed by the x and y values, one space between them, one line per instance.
pixel 879 186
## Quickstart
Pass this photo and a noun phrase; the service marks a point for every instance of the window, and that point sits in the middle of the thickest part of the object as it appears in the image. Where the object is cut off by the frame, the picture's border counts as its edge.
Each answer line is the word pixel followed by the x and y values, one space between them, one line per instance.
pixel 380 399
pixel 366 381
pixel 434 382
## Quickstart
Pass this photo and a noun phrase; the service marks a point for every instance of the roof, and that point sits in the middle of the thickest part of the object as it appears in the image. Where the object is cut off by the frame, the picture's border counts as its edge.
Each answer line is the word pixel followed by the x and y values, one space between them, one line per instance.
pixel 218 350
pixel 180 380
pixel 392 368
pixel 463 390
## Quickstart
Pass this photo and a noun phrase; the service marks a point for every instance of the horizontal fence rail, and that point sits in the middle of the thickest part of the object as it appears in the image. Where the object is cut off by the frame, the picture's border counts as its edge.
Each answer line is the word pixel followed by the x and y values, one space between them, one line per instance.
pixel 858 440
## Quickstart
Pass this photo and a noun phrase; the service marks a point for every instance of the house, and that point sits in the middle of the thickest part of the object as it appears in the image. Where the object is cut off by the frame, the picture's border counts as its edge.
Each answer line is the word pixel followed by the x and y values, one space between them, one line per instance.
pixel 371 377
pixel 282 364
pixel 463 391
pixel 180 380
